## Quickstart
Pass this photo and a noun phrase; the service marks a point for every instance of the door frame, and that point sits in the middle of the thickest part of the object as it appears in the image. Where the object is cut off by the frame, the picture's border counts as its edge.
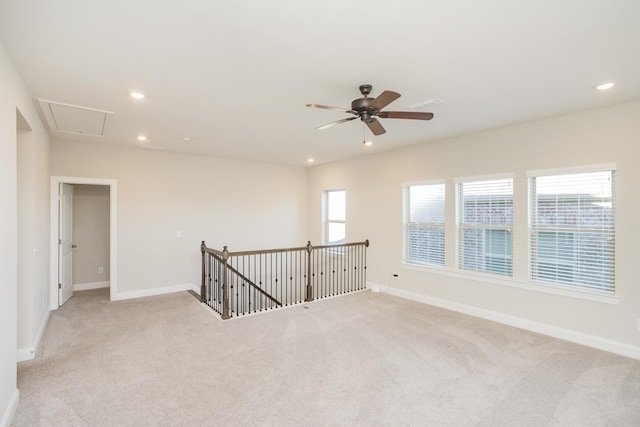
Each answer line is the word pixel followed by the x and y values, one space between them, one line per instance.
pixel 113 228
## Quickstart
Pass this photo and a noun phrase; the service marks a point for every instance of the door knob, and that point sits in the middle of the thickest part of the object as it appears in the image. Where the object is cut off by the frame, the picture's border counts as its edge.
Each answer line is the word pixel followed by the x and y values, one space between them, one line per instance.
pixel 74 246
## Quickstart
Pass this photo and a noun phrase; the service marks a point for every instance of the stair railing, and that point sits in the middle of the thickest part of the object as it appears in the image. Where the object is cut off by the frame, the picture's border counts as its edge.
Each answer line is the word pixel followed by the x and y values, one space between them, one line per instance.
pixel 239 283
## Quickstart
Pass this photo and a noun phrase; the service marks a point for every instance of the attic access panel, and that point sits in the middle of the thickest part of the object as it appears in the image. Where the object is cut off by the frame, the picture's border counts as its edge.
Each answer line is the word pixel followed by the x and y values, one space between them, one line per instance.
pixel 67 118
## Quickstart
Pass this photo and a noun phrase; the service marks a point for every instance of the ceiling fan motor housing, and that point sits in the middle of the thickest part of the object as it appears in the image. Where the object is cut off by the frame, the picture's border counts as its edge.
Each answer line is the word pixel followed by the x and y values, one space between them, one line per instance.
pixel 361 106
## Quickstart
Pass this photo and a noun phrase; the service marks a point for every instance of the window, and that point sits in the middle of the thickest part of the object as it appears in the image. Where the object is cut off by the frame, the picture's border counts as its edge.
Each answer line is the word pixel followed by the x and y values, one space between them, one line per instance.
pixel 335 215
pixel 572 229
pixel 423 224
pixel 484 222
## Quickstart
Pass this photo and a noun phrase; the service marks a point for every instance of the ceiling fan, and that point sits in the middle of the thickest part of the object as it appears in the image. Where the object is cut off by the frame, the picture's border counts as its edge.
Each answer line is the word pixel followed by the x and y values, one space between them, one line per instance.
pixel 367 109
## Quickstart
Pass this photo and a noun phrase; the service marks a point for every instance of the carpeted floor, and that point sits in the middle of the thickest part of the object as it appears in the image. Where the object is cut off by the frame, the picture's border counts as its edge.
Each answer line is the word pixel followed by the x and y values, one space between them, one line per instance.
pixel 365 359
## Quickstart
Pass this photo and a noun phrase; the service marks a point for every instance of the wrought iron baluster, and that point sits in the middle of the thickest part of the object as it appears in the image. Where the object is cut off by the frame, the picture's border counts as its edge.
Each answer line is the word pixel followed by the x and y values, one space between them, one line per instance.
pixel 260 283
pixel 255 278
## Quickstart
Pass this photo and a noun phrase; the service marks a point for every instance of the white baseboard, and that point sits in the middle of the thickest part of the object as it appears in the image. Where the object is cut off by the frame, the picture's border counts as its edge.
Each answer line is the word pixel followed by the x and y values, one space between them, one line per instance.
pixel 28 353
pixel 25 353
pixel 11 409
pixel 91 285
pixel 43 326
pixel 155 291
pixel 378 287
pixel 594 341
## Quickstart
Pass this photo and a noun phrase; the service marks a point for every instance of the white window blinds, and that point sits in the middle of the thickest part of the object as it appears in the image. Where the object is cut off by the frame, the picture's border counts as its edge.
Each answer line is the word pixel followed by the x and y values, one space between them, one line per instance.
pixel 572 226
pixel 484 224
pixel 423 225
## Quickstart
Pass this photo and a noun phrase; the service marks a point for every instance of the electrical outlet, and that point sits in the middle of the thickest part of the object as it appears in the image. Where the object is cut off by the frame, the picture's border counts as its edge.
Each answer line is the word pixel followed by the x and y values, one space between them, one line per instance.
pixel 178 234
pixel 100 270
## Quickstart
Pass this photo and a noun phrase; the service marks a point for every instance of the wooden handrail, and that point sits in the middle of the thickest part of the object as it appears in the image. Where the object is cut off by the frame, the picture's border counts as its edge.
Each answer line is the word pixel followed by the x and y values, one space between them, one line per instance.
pixel 270 251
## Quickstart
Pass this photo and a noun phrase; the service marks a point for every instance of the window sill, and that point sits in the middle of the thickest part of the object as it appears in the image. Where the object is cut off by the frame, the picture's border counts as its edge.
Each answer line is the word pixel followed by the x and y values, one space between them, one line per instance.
pixel 530 286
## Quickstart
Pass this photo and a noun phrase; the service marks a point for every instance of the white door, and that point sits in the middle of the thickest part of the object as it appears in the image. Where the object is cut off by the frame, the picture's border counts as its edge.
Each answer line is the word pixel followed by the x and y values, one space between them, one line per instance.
pixel 65 244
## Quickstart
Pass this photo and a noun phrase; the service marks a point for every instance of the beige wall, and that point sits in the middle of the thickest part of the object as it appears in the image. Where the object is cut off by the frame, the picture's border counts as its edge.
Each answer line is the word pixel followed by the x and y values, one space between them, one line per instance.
pixel 21 316
pixel 244 205
pixel 33 238
pixel 90 233
pixel 373 185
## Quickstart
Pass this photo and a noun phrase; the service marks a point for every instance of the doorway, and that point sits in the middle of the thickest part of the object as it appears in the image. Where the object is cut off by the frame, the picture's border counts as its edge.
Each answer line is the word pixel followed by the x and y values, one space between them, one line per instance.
pixel 107 268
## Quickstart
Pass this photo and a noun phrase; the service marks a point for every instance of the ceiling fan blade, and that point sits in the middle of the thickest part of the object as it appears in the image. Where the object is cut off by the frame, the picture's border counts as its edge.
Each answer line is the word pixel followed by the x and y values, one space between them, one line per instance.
pixel 328 125
pixel 405 115
pixel 376 127
pixel 326 107
pixel 384 99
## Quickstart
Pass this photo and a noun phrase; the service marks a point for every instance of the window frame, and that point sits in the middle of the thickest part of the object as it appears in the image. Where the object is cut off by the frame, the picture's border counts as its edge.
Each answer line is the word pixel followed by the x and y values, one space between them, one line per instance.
pixel 327 221
pixel 406 205
pixel 462 227
pixel 576 231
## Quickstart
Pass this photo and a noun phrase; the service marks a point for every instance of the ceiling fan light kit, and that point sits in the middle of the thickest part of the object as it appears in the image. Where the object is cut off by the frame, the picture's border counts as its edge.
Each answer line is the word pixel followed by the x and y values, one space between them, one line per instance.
pixel 367 109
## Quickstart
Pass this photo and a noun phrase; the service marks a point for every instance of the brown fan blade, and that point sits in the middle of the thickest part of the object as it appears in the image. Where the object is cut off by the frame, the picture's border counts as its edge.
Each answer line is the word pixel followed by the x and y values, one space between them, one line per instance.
pixel 384 99
pixel 326 107
pixel 376 127
pixel 405 115
pixel 328 125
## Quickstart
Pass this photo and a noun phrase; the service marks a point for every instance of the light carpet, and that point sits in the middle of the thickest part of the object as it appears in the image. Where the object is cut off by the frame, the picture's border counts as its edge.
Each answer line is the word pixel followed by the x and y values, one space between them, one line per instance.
pixel 365 359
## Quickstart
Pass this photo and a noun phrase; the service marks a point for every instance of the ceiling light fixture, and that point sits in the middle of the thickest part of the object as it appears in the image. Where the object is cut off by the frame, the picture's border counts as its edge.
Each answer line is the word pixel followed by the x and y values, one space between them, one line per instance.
pixel 136 94
pixel 142 138
pixel 605 86
pixel 310 160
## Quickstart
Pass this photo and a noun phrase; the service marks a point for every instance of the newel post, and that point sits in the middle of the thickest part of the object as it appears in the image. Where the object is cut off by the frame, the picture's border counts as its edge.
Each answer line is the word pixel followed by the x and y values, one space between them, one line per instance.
pixel 204 274
pixel 309 296
pixel 225 285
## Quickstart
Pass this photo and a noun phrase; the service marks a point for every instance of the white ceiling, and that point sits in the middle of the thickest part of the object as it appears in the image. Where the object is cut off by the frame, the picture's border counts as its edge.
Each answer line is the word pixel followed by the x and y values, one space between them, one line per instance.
pixel 235 76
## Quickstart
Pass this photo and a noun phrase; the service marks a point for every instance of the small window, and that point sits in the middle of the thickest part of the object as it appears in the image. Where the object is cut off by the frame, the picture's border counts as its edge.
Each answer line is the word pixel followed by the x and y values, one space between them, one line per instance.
pixel 484 223
pixel 335 217
pixel 572 229
pixel 423 225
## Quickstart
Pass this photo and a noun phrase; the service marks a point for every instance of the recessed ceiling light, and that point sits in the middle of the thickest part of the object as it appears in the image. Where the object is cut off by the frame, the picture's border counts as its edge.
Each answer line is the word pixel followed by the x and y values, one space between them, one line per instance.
pixel 605 86
pixel 186 139
pixel 367 143
pixel 136 94
pixel 142 138
pixel 310 160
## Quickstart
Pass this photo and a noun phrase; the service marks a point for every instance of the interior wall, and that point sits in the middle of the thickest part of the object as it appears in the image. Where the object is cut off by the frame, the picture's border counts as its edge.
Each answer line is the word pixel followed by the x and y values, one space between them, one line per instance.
pixel 374 211
pixel 33 226
pixel 163 195
pixel 90 234
pixel 35 254
pixel 26 233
